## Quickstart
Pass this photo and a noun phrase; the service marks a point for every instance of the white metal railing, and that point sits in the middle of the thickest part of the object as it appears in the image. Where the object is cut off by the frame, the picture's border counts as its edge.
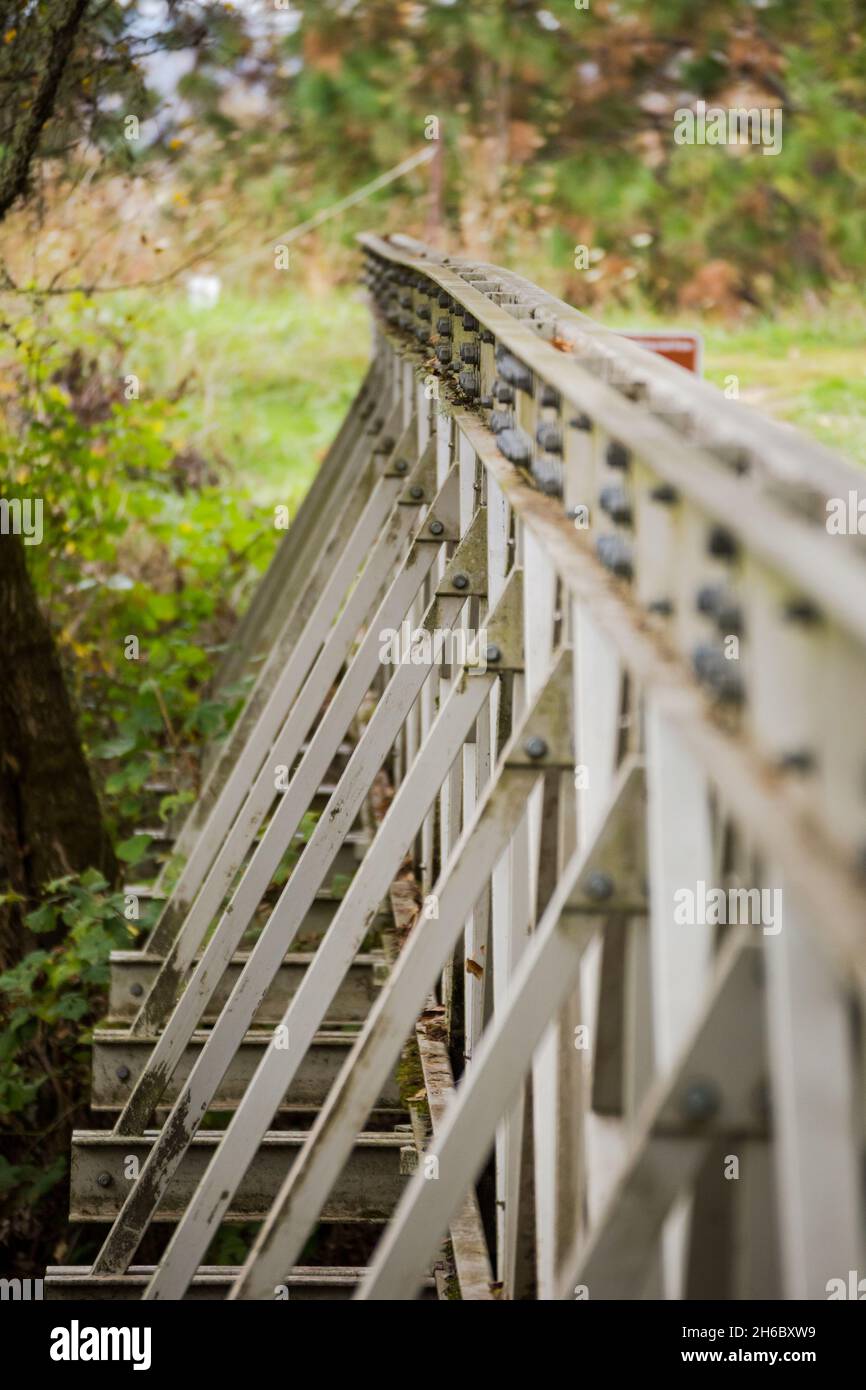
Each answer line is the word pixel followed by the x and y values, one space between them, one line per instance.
pixel 637 814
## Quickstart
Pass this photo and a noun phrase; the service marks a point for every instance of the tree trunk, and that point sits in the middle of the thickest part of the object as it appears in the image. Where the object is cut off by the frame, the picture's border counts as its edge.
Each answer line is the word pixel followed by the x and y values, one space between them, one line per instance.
pixel 50 817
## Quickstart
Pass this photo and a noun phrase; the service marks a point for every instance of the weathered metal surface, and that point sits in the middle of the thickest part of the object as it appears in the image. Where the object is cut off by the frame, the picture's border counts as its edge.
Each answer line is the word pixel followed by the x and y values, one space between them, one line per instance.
pixel 474 857
pixel 333 958
pixel 620 526
pixel 133 973
pixel 313 1284
pixel 119 1058
pixel 468 1241
pixel 366 1190
pixel 543 978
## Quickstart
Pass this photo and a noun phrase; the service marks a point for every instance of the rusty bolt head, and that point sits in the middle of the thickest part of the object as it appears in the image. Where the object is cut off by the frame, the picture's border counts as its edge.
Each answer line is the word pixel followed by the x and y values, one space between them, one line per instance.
pixel 136 991
pixel 460 581
pixel 401 466
pixel 416 493
pixel 104 1180
pixel 492 653
pixel 535 747
pixel 436 528
pixel 123 1073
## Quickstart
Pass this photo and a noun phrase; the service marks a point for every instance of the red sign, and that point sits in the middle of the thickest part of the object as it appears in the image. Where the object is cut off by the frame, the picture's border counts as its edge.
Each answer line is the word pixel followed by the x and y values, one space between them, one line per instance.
pixel 686 349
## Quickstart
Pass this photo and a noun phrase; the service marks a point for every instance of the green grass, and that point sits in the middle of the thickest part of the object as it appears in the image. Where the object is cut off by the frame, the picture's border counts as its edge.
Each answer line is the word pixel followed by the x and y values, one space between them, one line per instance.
pixel 268 380
pixel 819 386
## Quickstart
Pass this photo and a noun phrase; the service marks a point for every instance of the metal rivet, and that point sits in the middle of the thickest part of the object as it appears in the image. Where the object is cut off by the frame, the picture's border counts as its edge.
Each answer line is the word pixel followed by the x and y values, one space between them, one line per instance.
pixel 665 494
pixel 514 444
pixel 416 493
pixel 492 652
pixel 436 528
pixel 712 667
pixel 535 747
pixel 136 991
pixel 700 1100
pixel 729 620
pixel 401 466
pixel 614 501
pixel 123 1073
pixel 801 610
pixel 599 886
pixel 721 543
pixel 581 422
pixel 615 554
pixel 798 760
pixel 460 581
pixel 709 598
pixel 550 438
pixel 104 1180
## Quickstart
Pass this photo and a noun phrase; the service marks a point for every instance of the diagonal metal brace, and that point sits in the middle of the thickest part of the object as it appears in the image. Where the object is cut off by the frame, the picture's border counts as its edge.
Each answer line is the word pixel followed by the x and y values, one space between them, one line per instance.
pixel 504 627
pixel 546 737
pixel 466 572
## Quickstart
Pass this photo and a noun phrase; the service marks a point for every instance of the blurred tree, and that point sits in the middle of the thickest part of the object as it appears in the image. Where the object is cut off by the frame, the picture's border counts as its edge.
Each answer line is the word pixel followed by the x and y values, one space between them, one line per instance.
pixel 559 127
pixel 50 819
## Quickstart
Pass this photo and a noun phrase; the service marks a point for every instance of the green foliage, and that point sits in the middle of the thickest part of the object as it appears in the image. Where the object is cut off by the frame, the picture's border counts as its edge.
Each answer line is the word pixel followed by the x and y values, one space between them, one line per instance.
pixel 49 1001
pixel 284 869
pixel 146 555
